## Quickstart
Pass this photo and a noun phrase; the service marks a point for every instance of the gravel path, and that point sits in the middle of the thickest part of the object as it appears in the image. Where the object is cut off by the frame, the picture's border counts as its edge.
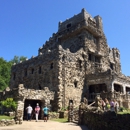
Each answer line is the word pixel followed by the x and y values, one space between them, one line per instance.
pixel 40 125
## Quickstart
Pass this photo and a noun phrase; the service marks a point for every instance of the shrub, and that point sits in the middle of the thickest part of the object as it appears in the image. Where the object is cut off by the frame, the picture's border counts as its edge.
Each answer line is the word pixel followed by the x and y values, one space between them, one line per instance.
pixel 9 103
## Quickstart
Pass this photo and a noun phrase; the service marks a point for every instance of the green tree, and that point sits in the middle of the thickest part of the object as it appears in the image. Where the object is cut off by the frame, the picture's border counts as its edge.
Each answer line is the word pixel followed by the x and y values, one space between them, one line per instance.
pixel 9 103
pixel 5 69
pixel 17 59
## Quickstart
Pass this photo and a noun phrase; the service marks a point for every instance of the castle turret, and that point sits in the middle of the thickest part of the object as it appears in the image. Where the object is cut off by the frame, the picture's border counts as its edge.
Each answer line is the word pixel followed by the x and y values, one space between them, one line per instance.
pixel 99 22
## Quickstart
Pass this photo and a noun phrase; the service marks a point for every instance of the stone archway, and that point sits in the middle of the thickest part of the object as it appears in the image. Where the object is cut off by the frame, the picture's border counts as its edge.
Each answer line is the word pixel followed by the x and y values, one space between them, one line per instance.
pixel 33 103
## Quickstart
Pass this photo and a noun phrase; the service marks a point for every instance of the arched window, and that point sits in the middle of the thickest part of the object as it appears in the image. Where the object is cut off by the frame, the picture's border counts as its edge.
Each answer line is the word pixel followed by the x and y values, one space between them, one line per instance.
pixel 75 84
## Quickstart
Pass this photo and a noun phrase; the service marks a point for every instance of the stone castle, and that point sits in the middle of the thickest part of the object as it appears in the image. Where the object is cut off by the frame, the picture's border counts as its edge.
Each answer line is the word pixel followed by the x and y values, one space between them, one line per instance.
pixel 75 62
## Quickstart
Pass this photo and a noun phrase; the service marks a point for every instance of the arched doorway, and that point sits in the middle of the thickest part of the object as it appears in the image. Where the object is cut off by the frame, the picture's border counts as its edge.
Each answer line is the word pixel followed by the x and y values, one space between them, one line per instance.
pixel 33 103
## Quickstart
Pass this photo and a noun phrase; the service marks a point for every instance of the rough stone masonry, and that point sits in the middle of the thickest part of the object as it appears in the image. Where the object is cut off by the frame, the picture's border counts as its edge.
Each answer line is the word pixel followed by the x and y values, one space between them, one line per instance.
pixel 75 62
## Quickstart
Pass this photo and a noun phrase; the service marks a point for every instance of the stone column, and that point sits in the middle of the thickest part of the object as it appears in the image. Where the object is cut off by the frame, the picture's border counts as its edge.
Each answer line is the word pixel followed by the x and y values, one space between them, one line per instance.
pixel 19 112
pixel 124 89
pixel 110 86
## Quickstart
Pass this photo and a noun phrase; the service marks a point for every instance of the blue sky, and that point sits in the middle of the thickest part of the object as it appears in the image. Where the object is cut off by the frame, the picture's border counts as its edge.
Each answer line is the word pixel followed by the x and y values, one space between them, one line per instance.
pixel 25 25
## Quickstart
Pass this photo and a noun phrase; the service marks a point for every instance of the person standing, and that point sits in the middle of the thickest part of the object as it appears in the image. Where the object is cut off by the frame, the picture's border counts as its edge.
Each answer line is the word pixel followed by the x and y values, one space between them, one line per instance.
pixel 37 110
pixel 116 105
pixel 112 104
pixel 29 111
pixel 45 111
pixel 107 107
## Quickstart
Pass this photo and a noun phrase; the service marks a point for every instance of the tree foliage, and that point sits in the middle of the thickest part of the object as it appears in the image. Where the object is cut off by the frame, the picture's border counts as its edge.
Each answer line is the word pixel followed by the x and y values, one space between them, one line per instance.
pixel 17 59
pixel 9 103
pixel 5 70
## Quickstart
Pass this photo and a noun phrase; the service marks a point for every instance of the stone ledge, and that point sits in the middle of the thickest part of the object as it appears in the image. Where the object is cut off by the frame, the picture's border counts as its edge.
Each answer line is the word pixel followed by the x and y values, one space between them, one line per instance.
pixel 5 122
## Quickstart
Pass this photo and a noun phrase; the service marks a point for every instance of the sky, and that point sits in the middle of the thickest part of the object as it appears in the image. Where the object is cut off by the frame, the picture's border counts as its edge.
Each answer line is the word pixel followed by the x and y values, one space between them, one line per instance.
pixel 25 25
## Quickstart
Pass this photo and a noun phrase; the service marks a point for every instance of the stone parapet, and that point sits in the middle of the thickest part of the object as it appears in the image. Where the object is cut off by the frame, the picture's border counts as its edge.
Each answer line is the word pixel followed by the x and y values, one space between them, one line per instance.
pixel 106 121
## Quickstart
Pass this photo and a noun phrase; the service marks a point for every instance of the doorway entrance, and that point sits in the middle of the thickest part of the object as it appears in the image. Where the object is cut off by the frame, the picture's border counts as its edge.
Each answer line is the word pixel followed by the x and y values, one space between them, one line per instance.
pixel 33 103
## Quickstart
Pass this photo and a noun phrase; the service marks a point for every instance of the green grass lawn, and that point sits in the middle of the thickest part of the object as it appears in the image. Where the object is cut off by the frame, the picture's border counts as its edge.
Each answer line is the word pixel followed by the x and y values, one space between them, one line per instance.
pixel 62 120
pixel 124 112
pixel 5 117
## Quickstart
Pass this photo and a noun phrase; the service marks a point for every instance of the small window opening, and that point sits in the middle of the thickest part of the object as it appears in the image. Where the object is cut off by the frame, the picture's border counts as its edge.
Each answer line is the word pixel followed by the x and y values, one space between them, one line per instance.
pixel 51 67
pixel 97 59
pixel 83 56
pixel 63 58
pixel 75 84
pixel 111 66
pixel 70 101
pixel 32 71
pixel 25 72
pixel 39 86
pixel 14 75
pixel 40 70
pixel 80 64
pixel 69 25
pixel 90 57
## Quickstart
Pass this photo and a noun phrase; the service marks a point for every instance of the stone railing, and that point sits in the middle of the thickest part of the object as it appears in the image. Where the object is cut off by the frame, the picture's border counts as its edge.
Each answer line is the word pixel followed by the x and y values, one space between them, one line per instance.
pixel 92 96
pixel 5 122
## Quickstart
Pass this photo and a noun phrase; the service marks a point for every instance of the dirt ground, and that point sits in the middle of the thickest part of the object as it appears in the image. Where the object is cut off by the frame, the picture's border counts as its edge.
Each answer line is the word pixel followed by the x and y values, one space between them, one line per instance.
pixel 41 125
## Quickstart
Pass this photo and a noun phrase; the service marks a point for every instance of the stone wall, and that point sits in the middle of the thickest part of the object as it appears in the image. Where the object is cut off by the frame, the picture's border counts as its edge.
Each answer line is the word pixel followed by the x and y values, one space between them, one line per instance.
pixel 5 122
pixel 74 58
pixel 106 121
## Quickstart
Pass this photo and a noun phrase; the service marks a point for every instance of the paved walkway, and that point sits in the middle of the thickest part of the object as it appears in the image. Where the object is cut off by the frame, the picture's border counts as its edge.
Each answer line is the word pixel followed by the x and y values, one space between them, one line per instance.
pixel 40 125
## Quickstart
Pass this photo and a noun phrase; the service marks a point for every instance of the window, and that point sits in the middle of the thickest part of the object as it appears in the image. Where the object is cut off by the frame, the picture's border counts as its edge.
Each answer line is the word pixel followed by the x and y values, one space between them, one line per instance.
pixel 51 67
pixel 39 86
pixel 90 57
pixel 63 58
pixel 32 71
pixel 83 56
pixel 97 59
pixel 111 66
pixel 75 84
pixel 40 70
pixel 80 64
pixel 25 72
pixel 68 25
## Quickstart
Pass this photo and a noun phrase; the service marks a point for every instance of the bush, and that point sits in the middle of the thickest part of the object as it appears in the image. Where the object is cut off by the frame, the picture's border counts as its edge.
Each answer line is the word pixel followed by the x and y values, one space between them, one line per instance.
pixel 64 109
pixel 9 103
pixel 122 109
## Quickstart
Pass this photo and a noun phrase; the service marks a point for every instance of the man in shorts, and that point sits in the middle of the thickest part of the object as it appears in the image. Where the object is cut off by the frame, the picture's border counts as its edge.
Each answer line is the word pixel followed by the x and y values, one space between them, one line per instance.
pixel 45 111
